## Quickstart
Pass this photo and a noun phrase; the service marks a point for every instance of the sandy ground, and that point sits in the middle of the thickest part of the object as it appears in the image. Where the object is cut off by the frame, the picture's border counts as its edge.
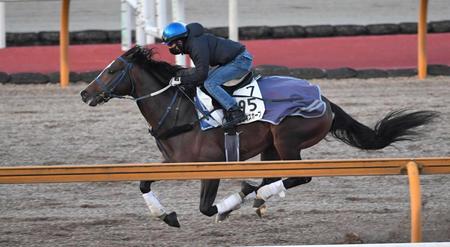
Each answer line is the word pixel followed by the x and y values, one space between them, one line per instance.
pixel 44 125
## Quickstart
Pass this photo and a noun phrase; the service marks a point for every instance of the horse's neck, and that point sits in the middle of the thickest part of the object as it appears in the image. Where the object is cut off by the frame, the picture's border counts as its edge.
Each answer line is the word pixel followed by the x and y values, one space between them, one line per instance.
pixel 154 108
pixel 180 114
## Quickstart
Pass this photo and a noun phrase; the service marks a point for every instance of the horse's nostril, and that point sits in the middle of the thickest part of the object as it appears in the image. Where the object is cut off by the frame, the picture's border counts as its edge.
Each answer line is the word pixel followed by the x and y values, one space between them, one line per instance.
pixel 84 95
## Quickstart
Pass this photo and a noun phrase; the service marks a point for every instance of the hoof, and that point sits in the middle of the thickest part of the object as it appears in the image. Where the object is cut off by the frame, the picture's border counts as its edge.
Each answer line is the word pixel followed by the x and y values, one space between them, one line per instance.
pixel 258 202
pixel 172 220
pixel 261 211
pixel 260 207
pixel 223 216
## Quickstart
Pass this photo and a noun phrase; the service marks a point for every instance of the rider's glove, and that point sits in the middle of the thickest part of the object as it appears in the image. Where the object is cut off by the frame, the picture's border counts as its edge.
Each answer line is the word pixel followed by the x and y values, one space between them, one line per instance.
pixel 175 81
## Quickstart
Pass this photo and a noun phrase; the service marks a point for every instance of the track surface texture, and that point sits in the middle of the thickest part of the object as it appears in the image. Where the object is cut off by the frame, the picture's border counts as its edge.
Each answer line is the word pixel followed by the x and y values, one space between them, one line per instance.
pixel 44 125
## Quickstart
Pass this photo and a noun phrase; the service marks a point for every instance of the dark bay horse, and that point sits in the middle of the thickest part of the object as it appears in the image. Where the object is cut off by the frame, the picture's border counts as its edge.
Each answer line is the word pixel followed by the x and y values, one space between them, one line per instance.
pixel 171 114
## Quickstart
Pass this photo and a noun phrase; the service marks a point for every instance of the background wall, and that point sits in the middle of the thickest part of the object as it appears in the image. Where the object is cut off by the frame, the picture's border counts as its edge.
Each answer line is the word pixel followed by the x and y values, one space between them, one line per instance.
pixel 105 14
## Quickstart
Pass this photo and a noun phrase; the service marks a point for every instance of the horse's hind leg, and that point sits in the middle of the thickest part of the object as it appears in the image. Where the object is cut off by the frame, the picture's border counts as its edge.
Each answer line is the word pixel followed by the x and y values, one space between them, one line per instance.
pixel 295 181
pixel 292 135
pixel 248 190
pixel 279 186
pixel 234 201
pixel 264 192
pixel 268 154
pixel 208 194
pixel 155 207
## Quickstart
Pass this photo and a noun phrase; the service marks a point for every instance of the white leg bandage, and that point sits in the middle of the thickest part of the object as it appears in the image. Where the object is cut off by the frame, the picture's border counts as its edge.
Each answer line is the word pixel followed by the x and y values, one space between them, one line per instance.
pixel 269 190
pixel 229 203
pixel 156 209
pixel 250 196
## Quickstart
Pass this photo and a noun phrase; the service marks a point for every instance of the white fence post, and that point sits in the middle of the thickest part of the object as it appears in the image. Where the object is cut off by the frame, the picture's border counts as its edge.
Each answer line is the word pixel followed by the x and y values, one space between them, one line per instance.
pixel 2 25
pixel 161 15
pixel 151 19
pixel 152 23
pixel 178 15
pixel 126 17
pixel 140 23
pixel 151 16
pixel 178 10
pixel 233 31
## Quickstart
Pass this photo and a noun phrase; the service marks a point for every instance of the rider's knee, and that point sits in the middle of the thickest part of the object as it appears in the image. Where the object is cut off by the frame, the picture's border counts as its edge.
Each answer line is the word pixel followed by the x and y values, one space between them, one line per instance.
pixel 208 210
pixel 145 186
pixel 209 85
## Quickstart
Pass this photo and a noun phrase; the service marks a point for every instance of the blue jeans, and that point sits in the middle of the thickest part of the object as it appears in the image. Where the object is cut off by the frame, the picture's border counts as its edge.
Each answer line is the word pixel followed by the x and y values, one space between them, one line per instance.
pixel 235 69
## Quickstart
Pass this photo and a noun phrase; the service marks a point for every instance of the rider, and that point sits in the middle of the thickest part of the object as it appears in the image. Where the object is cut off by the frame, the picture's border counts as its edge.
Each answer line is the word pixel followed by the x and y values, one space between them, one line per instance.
pixel 232 58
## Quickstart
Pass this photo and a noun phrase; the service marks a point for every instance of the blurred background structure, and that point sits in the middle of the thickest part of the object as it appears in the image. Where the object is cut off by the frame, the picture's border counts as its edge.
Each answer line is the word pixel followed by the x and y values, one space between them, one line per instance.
pixel 288 34
pixel 33 16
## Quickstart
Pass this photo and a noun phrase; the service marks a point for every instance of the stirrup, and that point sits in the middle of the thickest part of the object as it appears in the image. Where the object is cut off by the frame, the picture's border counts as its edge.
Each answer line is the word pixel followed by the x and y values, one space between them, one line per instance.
pixel 233 117
pixel 231 145
pixel 232 124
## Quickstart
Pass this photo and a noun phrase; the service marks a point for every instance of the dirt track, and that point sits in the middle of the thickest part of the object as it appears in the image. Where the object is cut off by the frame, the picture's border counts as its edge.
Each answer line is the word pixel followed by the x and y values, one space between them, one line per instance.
pixel 41 124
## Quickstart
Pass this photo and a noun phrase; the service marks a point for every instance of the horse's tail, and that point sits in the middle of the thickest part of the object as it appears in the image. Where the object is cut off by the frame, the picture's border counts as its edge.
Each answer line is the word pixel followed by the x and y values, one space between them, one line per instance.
pixel 395 126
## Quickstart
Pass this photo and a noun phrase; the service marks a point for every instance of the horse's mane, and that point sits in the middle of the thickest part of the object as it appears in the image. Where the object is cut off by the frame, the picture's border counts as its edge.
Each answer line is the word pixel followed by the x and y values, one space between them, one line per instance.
pixel 143 57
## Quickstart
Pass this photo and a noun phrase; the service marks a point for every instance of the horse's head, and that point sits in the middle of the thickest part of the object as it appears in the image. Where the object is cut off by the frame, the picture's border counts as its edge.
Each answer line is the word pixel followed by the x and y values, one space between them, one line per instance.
pixel 114 80
pixel 126 74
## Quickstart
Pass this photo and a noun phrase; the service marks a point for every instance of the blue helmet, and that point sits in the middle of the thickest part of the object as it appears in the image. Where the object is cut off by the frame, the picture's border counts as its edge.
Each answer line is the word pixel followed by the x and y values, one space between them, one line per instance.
pixel 174 31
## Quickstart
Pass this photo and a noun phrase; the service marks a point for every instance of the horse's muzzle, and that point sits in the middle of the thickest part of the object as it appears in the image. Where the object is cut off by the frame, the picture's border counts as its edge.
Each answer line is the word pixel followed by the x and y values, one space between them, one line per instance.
pixel 92 100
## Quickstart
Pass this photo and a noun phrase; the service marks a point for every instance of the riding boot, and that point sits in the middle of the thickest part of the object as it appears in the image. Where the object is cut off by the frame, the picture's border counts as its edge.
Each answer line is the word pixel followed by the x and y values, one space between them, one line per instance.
pixel 234 116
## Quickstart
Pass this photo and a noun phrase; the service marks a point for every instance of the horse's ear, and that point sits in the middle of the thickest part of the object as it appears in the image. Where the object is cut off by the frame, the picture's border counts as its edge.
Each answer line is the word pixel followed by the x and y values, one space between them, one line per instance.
pixel 129 56
pixel 131 53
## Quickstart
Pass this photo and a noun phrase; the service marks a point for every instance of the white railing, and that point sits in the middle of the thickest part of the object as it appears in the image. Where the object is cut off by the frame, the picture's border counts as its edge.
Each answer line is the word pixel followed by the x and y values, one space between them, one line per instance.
pixel 150 18
pixel 233 21
pixel 2 26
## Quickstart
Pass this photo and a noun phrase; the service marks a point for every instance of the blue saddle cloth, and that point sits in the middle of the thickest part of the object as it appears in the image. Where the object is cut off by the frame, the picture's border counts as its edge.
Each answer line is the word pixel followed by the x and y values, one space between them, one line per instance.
pixel 282 96
pixel 288 96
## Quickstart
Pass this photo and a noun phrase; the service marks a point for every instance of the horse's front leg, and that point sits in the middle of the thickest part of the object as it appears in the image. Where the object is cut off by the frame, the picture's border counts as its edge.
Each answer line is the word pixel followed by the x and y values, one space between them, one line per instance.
pixel 155 207
pixel 208 193
pixel 248 192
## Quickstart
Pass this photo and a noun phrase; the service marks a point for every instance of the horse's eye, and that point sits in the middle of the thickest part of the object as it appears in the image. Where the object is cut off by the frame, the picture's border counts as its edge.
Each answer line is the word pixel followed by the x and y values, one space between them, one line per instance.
pixel 110 71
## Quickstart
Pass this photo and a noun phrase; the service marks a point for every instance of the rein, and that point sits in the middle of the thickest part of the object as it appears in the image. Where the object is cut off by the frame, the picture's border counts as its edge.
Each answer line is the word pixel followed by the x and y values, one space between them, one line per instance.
pixel 107 90
pixel 107 94
pixel 154 132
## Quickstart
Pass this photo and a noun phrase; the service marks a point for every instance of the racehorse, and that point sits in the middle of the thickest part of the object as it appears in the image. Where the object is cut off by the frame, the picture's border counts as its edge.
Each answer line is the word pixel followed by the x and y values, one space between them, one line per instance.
pixel 170 111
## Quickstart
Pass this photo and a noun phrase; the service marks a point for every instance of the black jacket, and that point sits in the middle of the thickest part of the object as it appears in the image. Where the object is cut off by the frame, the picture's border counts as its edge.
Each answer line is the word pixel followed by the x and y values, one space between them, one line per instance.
pixel 206 50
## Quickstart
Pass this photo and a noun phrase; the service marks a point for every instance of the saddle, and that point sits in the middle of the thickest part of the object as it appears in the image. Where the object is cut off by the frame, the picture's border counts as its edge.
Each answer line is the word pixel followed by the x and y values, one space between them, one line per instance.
pixel 240 82
pixel 233 85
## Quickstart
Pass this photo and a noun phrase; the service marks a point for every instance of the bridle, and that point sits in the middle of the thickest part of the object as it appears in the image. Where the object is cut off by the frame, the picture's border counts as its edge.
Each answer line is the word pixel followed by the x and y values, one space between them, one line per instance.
pixel 107 89
pixel 107 94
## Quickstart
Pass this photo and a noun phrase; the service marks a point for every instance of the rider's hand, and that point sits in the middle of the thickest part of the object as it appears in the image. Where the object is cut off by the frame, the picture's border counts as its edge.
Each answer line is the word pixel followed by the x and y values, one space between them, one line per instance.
pixel 175 81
